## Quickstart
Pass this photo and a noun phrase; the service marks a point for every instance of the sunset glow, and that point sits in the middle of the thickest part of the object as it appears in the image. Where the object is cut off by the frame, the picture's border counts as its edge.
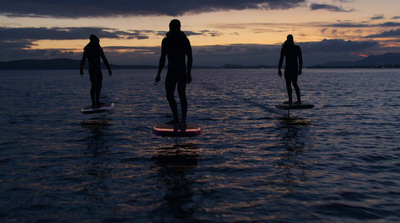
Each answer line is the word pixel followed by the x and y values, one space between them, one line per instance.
pixel 368 26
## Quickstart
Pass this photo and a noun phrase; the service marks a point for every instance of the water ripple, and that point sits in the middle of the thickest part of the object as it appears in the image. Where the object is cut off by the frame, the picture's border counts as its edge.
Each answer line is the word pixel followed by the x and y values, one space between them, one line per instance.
pixel 335 163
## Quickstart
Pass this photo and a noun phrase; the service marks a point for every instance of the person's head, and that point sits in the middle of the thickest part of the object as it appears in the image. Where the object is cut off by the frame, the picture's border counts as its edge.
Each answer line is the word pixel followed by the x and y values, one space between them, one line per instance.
pixel 175 25
pixel 289 39
pixel 94 39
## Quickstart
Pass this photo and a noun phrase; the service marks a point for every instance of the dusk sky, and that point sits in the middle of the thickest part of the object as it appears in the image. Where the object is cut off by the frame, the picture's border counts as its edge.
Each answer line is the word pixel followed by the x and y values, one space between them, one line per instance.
pixel 248 32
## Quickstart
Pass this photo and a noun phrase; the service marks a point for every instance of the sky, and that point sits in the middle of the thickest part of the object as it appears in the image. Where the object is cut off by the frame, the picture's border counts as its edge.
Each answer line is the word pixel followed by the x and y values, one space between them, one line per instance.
pixel 246 32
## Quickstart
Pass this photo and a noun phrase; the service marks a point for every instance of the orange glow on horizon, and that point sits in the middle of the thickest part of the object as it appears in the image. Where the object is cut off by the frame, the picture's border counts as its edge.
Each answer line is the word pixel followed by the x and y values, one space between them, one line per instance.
pixel 133 34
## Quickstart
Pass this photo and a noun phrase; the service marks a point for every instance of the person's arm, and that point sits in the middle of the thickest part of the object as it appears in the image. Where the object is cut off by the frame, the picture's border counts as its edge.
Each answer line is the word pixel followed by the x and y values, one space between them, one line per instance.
pixel 161 63
pixel 189 63
pixel 83 63
pixel 300 61
pixel 280 62
pixel 103 57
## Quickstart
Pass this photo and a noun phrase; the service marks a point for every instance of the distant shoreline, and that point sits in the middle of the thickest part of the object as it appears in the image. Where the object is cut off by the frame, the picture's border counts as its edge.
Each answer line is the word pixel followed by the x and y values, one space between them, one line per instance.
pixel 71 64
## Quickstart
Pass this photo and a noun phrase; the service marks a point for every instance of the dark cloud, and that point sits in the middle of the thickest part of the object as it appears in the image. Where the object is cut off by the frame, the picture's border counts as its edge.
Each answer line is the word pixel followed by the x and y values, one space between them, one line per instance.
pixel 362 25
pixel 377 17
pixel 337 45
pixel 211 33
pixel 333 8
pixel 191 33
pixel 396 17
pixel 246 54
pixel 15 45
pixel 390 24
pixel 216 55
pixel 391 33
pixel 102 8
pixel 252 54
pixel 348 25
pixel 67 33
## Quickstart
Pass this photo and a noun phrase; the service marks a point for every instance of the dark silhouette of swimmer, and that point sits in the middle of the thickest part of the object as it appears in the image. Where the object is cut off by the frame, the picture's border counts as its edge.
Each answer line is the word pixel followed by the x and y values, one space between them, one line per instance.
pixel 294 65
pixel 93 52
pixel 176 46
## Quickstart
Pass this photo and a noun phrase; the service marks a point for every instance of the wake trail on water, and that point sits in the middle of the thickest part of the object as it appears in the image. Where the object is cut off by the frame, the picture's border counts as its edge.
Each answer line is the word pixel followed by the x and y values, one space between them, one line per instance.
pixel 235 96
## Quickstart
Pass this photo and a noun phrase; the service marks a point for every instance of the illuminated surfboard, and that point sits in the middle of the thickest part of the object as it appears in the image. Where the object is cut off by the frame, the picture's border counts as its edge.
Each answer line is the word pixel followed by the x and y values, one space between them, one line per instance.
pixel 188 130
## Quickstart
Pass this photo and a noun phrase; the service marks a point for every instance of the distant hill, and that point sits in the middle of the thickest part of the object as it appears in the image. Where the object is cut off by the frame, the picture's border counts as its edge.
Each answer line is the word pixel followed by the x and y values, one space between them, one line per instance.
pixel 389 60
pixel 238 66
pixel 57 64
pixel 40 64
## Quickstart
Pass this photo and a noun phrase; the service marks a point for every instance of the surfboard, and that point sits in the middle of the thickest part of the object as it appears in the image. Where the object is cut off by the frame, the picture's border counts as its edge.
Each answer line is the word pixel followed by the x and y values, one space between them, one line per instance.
pixel 303 105
pixel 188 130
pixel 102 108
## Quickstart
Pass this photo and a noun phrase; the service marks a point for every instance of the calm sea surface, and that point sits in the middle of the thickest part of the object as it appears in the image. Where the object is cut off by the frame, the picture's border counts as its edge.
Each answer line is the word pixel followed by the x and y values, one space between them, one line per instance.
pixel 338 162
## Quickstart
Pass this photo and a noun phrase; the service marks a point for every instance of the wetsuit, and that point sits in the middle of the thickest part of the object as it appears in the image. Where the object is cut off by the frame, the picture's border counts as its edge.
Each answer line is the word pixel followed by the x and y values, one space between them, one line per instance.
pixel 93 52
pixel 292 53
pixel 176 46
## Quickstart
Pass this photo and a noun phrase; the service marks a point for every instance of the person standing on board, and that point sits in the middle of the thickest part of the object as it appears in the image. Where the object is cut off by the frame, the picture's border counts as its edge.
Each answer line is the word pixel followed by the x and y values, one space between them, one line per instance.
pixel 93 52
pixel 294 65
pixel 176 47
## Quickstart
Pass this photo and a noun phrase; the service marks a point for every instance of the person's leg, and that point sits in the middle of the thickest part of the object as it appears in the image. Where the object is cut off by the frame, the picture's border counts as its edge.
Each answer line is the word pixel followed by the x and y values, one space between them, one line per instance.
pixel 289 87
pixel 96 80
pixel 182 98
pixel 296 88
pixel 93 89
pixel 99 84
pixel 170 89
pixel 93 95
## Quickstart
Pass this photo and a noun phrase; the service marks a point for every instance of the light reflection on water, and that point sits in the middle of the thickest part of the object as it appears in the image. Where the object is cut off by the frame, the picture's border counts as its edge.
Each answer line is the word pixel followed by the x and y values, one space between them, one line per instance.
pixel 336 162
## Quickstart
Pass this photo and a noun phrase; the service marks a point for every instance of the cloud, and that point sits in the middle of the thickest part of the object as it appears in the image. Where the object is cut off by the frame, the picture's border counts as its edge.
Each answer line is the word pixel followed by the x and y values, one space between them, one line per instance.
pixel 333 8
pixel 348 25
pixel 362 25
pixel 390 24
pixel 67 33
pixel 15 45
pixel 211 33
pixel 391 33
pixel 337 45
pixel 192 33
pixel 102 8
pixel 211 55
pixel 249 54
pixel 377 17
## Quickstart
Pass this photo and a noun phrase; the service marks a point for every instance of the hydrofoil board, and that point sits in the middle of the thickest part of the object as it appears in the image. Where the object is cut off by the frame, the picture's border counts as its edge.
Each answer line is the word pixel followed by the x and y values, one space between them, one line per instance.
pixel 188 130
pixel 97 109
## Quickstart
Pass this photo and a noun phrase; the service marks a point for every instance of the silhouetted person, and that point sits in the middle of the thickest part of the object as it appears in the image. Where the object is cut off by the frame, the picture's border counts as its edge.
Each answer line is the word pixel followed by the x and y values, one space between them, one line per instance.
pixel 176 46
pixel 294 65
pixel 93 52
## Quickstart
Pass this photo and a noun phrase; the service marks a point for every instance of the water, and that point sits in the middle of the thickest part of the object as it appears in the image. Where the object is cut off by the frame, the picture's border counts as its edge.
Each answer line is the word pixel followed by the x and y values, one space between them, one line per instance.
pixel 338 162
